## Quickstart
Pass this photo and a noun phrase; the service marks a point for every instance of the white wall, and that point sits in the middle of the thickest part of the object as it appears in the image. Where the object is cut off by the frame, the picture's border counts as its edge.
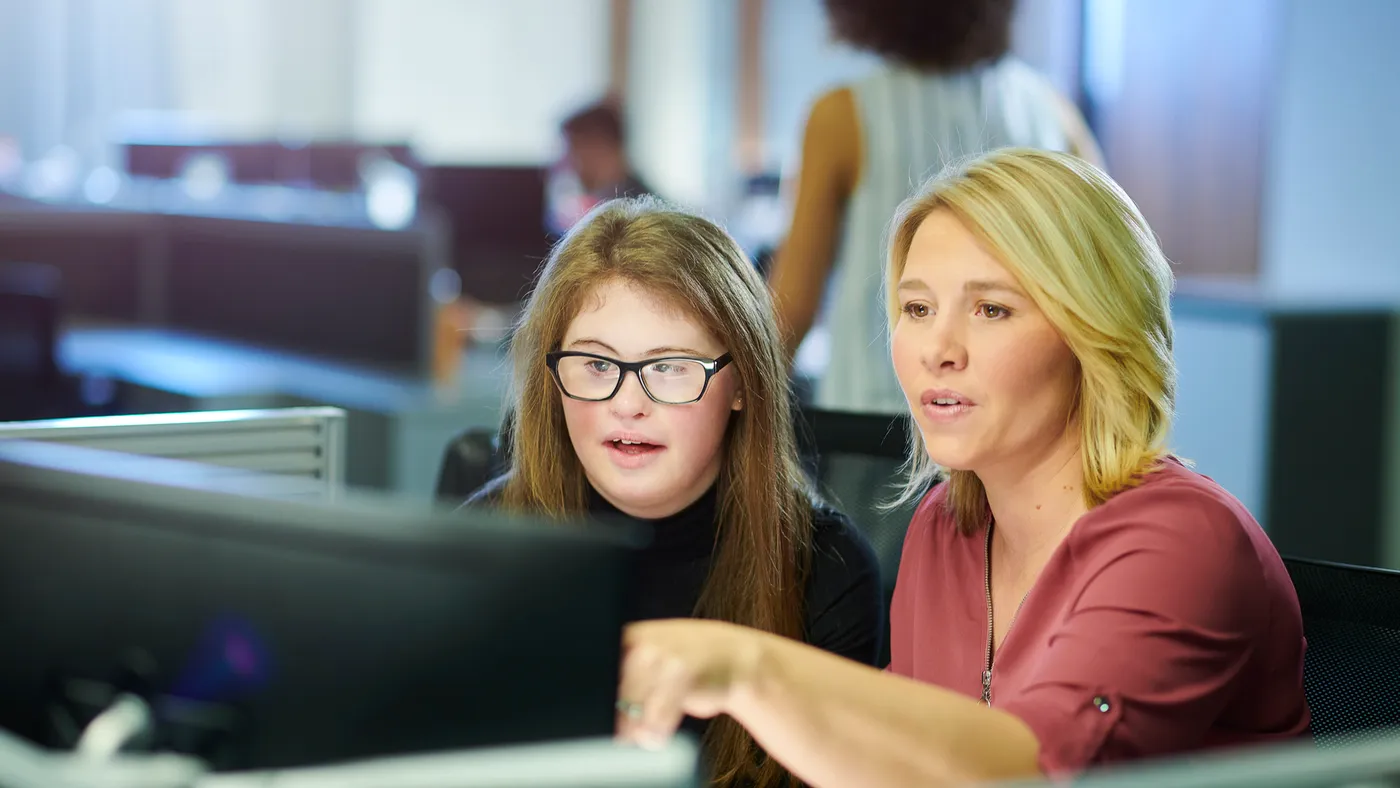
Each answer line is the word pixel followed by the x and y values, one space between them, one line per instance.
pixel 680 97
pixel 313 67
pixel 33 42
pixel 222 63
pixel 1222 415
pixel 71 66
pixel 1332 200
pixel 124 51
pixel 263 68
pixel 474 80
pixel 800 61
pixel 463 80
pixel 477 80
pixel 78 69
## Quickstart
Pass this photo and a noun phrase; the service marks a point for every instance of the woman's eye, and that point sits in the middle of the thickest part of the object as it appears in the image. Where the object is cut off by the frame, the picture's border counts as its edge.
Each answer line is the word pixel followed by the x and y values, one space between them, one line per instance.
pixel 916 309
pixel 599 367
pixel 994 312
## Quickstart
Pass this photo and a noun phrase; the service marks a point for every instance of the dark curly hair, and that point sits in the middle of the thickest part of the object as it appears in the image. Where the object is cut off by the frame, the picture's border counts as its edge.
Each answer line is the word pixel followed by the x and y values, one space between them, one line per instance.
pixel 930 35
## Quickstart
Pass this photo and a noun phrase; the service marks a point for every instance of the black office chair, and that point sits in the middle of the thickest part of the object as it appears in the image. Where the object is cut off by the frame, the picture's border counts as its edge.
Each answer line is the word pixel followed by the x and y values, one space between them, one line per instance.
pixel 472 459
pixel 826 441
pixel 1351 618
pixel 852 459
pixel 855 461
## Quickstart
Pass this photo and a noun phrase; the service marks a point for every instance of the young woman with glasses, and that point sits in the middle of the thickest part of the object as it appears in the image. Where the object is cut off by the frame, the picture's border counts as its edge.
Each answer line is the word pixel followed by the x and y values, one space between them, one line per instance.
pixel 650 383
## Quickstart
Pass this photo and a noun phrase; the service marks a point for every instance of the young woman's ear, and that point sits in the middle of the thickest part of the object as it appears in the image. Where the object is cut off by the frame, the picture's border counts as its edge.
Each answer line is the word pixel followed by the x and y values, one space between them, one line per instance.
pixel 738 401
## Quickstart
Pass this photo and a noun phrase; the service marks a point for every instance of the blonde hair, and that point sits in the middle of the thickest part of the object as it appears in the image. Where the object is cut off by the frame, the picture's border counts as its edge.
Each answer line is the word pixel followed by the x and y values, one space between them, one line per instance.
pixel 759 571
pixel 1082 250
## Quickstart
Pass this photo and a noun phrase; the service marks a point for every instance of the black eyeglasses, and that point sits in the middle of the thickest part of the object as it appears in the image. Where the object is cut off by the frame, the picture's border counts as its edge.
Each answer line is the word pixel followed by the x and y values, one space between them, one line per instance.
pixel 674 380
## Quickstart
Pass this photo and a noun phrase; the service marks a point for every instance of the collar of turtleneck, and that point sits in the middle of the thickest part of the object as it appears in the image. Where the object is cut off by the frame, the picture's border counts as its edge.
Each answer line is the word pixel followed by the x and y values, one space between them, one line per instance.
pixel 687 534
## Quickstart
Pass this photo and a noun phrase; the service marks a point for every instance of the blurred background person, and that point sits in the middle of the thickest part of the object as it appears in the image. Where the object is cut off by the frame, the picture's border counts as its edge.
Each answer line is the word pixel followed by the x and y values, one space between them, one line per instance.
pixel 947 88
pixel 595 167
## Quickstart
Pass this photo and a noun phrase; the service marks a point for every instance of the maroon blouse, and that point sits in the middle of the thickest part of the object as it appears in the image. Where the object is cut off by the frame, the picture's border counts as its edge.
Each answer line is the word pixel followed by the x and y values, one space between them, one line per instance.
pixel 1164 623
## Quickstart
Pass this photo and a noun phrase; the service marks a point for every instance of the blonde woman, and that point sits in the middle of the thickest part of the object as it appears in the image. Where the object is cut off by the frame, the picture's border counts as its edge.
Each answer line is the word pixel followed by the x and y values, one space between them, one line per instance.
pixel 1073 594
pixel 650 384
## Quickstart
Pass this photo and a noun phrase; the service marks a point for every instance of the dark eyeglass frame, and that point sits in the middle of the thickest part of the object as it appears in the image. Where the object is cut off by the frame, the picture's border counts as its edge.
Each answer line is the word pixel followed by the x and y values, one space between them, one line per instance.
pixel 712 366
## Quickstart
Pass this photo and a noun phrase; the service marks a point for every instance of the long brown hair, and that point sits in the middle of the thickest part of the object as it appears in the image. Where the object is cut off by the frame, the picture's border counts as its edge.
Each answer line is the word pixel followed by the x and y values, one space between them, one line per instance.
pixel 764 548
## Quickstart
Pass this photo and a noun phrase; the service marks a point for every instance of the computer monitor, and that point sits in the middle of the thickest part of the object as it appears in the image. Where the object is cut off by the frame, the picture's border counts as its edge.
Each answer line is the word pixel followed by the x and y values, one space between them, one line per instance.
pixel 270 633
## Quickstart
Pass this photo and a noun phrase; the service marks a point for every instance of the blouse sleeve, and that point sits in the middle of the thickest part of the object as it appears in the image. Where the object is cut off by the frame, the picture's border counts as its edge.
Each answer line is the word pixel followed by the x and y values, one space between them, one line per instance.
pixel 1166 614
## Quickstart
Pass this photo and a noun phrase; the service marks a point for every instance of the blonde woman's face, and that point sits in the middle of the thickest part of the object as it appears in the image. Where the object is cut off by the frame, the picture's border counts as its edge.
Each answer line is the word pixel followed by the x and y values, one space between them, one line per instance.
pixel 646 458
pixel 990 382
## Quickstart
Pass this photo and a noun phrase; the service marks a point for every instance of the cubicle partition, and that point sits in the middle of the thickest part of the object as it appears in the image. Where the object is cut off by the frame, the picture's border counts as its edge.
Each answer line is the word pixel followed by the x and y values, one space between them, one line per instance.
pixel 106 257
pixel 305 447
pixel 498 220
pixel 349 293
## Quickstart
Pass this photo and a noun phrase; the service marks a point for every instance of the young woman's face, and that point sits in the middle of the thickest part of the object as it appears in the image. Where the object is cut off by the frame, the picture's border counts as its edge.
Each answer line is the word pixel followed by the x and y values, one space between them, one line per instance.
pixel 647 458
pixel 988 378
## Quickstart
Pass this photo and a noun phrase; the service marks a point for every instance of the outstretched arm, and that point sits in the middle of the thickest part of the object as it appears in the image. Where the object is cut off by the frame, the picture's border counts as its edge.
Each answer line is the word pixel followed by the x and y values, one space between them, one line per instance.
pixel 830 721
pixel 827 174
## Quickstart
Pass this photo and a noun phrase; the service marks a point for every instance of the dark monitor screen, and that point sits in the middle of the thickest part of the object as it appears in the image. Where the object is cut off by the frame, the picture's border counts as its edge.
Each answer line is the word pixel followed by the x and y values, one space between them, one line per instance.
pixel 268 633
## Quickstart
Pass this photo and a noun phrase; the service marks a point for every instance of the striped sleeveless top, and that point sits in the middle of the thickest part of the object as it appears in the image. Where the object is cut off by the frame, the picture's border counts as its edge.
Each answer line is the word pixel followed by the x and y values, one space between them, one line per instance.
pixel 911 124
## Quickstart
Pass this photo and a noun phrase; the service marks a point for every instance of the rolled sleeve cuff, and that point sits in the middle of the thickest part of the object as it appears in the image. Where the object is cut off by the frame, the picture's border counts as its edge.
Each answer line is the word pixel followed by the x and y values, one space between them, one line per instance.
pixel 1070 723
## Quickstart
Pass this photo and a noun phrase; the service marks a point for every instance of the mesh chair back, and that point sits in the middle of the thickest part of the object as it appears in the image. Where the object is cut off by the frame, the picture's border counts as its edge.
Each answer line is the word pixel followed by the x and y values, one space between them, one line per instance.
pixel 470 460
pixel 1351 617
pixel 855 459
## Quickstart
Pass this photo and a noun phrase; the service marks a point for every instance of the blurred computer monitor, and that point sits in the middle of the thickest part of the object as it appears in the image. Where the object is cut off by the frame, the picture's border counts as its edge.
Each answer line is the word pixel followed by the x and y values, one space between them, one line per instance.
pixel 270 633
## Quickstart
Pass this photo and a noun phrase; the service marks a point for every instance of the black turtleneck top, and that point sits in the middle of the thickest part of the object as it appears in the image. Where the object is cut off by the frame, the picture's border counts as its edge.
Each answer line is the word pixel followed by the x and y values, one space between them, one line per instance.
pixel 844 603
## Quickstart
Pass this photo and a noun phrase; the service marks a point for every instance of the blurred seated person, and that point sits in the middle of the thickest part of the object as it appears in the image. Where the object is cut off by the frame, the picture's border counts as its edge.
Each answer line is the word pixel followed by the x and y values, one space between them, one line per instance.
pixel 595 167
pixel 1071 594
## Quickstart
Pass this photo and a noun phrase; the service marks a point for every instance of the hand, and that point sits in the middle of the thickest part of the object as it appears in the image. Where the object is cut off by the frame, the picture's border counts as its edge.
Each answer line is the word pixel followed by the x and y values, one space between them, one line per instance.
pixel 681 667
